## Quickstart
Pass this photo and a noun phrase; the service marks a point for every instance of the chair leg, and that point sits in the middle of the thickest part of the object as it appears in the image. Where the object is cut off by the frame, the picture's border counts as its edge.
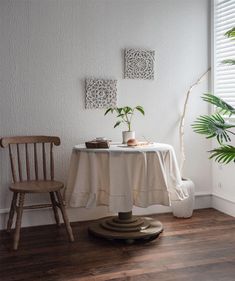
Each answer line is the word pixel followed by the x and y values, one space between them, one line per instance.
pixel 18 220
pixel 54 206
pixel 65 217
pixel 12 211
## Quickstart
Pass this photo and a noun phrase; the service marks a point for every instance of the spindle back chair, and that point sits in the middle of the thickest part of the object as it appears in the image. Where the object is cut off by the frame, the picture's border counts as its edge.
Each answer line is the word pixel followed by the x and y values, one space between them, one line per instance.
pixel 25 180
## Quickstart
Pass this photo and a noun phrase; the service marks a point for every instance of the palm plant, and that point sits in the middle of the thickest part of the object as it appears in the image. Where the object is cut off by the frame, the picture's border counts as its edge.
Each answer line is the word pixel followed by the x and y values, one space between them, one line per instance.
pixel 215 125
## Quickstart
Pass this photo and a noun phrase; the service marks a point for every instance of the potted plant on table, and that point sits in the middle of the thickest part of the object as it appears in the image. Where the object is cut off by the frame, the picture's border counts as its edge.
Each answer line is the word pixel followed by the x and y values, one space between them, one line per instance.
pixel 125 115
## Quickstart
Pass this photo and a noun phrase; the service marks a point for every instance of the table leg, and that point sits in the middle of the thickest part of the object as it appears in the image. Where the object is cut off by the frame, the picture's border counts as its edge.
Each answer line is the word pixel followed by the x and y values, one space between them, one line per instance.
pixel 127 227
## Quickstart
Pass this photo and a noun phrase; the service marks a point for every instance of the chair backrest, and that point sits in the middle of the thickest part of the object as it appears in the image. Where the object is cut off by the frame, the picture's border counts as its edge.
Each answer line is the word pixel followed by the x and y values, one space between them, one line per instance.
pixel 27 149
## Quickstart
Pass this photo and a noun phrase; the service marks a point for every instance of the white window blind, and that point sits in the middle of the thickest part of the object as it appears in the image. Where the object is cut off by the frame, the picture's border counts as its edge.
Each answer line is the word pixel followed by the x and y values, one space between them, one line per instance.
pixel 224 48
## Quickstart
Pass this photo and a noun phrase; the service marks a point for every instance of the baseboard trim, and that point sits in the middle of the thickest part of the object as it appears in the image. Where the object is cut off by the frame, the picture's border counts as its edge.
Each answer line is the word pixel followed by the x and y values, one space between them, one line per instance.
pixel 223 204
pixel 45 216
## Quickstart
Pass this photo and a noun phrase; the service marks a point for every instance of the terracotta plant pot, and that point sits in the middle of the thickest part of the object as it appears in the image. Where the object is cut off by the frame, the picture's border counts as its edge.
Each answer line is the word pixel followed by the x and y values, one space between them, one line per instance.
pixel 184 208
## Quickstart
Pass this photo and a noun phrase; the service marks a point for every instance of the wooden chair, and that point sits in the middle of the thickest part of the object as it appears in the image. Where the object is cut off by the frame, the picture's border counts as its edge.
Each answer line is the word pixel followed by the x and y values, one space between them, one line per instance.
pixel 19 146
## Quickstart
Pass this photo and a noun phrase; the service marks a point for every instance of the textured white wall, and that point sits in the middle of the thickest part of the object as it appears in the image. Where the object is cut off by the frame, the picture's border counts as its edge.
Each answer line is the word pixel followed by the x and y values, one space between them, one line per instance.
pixel 48 48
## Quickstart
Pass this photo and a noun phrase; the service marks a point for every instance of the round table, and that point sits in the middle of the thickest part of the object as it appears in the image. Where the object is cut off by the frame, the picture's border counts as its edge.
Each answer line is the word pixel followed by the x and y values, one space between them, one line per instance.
pixel 121 177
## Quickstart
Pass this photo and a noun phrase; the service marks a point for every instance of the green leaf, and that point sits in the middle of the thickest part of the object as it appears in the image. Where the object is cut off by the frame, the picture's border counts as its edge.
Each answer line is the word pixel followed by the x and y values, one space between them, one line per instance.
pixel 117 124
pixel 108 110
pixel 127 109
pixel 119 110
pixel 230 33
pixel 140 109
pixel 120 115
pixel 229 61
pixel 223 154
pixel 224 107
pixel 213 126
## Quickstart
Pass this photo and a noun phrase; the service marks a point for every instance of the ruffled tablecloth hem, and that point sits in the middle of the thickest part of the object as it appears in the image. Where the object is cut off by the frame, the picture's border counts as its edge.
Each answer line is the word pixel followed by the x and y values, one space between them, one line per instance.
pixel 119 203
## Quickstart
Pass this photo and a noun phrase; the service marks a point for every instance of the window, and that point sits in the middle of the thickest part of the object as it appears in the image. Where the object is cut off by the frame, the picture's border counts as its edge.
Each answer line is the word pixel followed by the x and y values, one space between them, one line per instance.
pixel 224 48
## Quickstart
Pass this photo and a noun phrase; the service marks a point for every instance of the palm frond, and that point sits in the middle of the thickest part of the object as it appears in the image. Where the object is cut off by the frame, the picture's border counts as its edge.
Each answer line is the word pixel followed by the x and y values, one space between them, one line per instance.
pixel 213 126
pixel 223 154
pixel 230 33
pixel 229 61
pixel 223 107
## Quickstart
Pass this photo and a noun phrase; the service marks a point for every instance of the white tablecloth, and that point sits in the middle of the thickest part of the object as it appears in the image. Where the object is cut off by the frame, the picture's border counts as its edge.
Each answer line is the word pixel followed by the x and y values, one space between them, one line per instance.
pixel 120 177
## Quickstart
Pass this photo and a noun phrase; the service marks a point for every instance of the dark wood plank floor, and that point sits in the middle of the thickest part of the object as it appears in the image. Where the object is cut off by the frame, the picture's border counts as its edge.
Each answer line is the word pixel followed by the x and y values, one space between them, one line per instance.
pixel 201 248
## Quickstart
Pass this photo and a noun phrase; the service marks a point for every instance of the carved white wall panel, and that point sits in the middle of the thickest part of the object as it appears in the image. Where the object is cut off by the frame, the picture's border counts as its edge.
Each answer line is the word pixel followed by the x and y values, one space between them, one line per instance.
pixel 139 64
pixel 101 93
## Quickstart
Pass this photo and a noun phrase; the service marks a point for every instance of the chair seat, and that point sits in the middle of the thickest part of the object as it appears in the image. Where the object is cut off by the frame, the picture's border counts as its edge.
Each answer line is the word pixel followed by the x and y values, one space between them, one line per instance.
pixel 36 186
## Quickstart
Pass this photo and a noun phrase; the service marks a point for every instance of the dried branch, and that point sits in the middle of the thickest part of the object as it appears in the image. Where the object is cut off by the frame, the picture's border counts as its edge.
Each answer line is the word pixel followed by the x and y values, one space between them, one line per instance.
pixel 182 119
